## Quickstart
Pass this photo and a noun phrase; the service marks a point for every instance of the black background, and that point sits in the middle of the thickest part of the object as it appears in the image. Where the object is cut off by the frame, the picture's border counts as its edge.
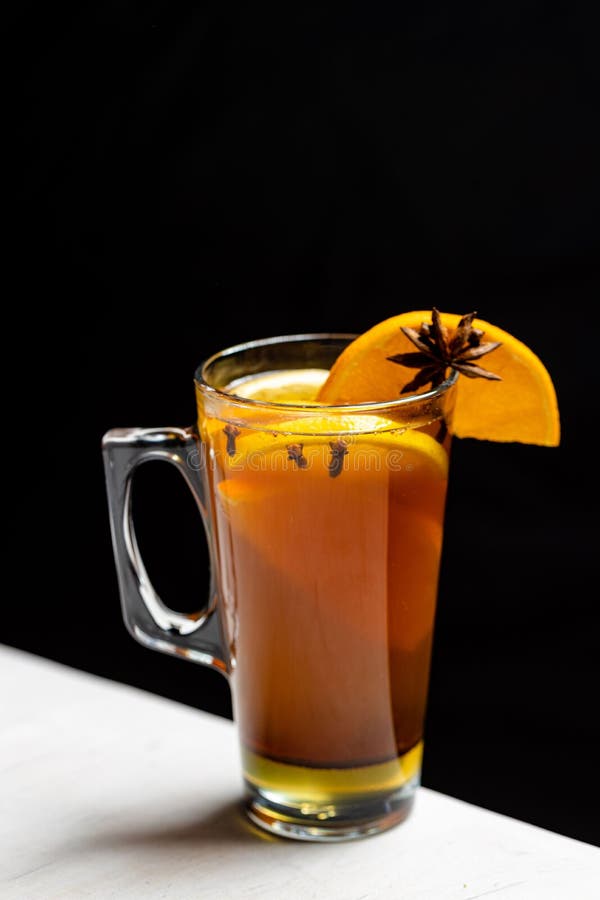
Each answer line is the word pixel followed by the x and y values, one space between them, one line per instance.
pixel 195 178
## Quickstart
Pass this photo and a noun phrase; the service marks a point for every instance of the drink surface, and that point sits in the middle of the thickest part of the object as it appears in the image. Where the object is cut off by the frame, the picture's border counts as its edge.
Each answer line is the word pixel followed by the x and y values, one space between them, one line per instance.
pixel 286 386
pixel 328 546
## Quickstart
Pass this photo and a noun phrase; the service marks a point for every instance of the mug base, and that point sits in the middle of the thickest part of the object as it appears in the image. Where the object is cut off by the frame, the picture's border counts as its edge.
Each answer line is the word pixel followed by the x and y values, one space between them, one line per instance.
pixel 334 822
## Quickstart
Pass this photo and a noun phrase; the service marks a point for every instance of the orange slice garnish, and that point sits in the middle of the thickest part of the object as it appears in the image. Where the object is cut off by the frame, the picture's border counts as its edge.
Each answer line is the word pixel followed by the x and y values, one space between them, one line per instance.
pixel 521 407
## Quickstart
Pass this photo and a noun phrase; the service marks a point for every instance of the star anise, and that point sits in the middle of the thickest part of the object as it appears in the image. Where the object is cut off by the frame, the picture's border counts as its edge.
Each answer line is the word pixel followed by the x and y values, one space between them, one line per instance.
pixel 439 351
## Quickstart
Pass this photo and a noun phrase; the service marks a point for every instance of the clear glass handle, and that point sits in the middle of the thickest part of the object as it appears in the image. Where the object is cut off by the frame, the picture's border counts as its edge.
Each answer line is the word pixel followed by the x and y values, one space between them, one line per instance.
pixel 195 636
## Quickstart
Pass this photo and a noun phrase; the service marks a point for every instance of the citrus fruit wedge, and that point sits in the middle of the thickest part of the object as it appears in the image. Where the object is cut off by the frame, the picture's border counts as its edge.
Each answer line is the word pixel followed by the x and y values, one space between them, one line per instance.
pixel 522 407
pixel 362 434
pixel 390 492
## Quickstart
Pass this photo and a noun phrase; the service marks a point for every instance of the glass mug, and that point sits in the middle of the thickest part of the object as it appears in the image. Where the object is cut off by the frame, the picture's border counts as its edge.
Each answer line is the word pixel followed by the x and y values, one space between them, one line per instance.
pixel 325 530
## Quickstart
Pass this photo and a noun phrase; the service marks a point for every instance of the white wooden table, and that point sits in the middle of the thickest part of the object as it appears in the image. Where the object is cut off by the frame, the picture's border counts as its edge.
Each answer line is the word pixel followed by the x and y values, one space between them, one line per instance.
pixel 110 792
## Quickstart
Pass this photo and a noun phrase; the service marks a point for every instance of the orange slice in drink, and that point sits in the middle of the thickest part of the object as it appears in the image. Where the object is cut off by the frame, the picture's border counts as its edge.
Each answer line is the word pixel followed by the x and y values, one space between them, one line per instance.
pixel 521 407
pixel 387 502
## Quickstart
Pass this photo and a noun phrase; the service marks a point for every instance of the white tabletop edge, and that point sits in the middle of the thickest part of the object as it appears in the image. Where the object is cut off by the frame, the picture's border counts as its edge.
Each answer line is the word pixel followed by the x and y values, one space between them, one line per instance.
pixel 112 791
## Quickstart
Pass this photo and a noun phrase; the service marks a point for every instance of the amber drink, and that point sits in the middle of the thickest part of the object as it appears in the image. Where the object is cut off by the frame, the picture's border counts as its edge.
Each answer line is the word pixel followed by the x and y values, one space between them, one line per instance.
pixel 327 538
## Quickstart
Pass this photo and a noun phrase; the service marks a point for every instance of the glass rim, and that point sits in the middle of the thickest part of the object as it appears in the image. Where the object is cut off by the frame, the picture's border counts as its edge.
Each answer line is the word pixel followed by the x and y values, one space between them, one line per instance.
pixel 341 408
